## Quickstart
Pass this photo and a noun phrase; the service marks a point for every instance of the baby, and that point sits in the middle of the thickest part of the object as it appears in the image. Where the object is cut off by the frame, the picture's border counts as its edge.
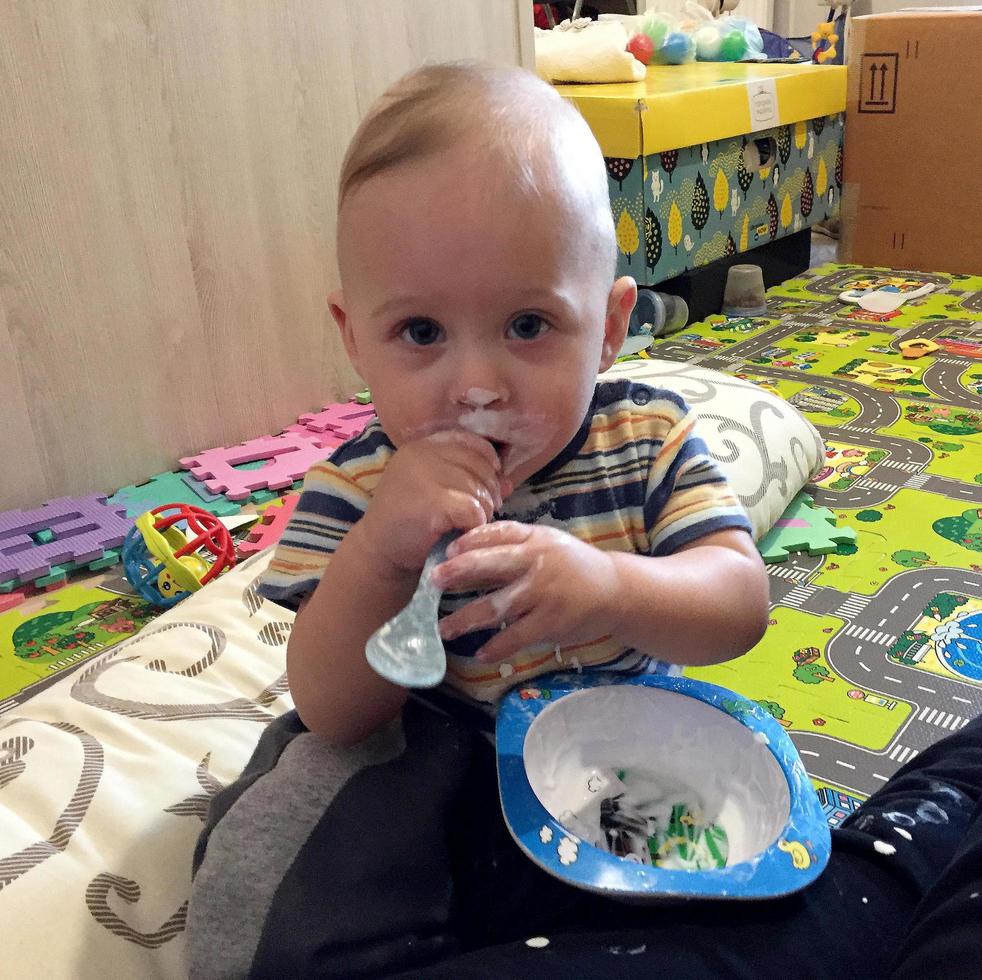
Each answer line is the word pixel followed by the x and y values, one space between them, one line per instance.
pixel 478 301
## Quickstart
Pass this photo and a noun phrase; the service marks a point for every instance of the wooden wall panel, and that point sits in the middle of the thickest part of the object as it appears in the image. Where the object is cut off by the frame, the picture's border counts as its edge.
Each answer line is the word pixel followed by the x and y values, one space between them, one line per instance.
pixel 167 180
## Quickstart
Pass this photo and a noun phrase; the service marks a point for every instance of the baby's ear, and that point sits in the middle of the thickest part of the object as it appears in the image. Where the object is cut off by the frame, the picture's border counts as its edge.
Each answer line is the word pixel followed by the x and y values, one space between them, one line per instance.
pixel 620 303
pixel 336 304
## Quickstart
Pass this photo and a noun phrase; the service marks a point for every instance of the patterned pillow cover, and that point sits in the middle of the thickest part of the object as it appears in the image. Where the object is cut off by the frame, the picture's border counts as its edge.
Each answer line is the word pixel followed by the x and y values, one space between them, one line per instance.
pixel 105 776
pixel 766 447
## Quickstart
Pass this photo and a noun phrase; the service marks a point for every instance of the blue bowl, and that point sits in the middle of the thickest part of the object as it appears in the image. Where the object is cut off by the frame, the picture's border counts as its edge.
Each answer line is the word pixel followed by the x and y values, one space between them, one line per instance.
pixel 556 737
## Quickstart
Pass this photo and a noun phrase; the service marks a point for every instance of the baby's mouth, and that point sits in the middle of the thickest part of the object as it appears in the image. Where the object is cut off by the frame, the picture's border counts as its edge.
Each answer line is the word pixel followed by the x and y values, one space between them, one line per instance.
pixel 503 449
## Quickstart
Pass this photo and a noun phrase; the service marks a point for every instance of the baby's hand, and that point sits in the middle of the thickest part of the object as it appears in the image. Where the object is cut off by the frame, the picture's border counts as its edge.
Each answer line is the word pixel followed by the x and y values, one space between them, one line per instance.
pixel 447 481
pixel 550 587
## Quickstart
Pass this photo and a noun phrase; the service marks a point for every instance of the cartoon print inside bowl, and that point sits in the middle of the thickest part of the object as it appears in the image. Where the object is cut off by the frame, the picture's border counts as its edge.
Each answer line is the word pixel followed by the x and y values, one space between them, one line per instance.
pixel 647 788
pixel 644 818
pixel 675 783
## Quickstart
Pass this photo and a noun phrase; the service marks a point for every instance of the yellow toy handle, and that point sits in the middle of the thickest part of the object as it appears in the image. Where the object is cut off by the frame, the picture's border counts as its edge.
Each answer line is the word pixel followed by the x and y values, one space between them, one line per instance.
pixel 824 32
pixel 162 545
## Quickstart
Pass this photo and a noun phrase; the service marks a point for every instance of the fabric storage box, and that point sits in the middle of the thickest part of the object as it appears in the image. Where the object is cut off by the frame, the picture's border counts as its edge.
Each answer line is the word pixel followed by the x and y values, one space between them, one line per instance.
pixel 682 149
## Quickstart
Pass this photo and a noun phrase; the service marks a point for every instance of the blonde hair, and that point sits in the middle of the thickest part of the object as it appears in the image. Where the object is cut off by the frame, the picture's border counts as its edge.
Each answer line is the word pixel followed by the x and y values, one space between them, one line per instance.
pixel 535 139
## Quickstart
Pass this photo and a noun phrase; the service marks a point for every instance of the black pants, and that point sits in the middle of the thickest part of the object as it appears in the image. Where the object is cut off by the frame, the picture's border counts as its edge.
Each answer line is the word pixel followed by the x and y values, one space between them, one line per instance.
pixel 439 889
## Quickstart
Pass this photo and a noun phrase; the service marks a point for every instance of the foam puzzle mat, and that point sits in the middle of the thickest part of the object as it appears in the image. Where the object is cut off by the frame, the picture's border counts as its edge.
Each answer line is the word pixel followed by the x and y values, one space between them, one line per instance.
pixel 874 648
pixel 53 632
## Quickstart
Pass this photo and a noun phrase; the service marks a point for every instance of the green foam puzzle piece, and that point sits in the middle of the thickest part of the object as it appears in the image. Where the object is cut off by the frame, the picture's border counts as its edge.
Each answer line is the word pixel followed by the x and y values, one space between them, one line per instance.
pixel 803 527
pixel 169 488
pixel 265 496
pixel 57 574
pixel 110 558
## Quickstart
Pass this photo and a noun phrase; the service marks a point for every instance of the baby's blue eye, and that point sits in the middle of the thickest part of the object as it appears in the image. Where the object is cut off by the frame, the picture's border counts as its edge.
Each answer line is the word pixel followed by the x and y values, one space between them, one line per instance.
pixel 421 332
pixel 527 326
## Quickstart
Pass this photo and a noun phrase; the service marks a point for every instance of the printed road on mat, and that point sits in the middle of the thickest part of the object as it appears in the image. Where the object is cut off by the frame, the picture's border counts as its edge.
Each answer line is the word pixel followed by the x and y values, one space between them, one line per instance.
pixel 875 651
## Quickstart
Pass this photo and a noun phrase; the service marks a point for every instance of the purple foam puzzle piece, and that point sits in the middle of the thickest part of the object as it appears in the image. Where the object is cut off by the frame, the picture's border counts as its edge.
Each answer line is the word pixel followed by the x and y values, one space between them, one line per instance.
pixel 290 455
pixel 83 528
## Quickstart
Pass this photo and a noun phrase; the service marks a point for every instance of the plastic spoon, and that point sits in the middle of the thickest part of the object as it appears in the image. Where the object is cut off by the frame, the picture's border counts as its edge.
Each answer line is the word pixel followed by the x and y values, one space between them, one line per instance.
pixel 407 650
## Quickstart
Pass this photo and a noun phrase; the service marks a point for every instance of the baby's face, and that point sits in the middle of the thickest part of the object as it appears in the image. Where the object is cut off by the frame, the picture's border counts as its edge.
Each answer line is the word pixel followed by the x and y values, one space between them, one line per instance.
pixel 464 306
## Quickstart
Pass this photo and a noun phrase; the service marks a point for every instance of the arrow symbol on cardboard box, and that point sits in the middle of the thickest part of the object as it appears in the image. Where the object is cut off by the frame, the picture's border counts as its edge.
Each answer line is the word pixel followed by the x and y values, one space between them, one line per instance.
pixel 873 70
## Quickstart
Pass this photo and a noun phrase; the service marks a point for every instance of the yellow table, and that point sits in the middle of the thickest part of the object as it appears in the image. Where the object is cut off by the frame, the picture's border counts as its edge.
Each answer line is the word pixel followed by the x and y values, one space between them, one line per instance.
pixel 681 105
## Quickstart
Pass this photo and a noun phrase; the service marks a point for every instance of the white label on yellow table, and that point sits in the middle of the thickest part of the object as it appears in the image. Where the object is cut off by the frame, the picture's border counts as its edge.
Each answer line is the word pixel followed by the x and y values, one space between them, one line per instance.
pixel 762 98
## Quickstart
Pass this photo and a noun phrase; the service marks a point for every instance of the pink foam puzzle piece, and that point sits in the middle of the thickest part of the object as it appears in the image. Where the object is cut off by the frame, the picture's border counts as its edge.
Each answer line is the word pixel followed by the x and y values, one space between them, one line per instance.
pixel 289 457
pixel 82 527
pixel 347 419
pixel 328 440
pixel 271 526
pixel 10 599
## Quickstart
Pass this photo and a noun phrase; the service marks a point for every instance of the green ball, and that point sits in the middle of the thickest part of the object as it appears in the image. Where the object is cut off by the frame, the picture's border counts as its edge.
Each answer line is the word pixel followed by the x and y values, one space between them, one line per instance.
pixel 733 47
pixel 656 30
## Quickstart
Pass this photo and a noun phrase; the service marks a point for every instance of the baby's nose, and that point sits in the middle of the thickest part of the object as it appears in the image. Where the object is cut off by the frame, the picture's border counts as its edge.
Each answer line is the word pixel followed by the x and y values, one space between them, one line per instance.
pixel 478 377
pixel 475 397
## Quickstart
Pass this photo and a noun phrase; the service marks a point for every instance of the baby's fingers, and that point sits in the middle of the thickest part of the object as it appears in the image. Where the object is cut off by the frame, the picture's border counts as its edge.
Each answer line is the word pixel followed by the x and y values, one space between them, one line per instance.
pixel 483 568
pixel 528 631
pixel 471 442
pixel 470 463
pixel 489 612
pixel 462 511
pixel 492 535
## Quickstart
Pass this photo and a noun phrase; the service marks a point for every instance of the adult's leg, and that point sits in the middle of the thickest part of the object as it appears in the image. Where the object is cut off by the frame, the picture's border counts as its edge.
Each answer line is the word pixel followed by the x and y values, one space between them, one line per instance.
pixel 944 938
pixel 885 865
pixel 919 817
pixel 322 862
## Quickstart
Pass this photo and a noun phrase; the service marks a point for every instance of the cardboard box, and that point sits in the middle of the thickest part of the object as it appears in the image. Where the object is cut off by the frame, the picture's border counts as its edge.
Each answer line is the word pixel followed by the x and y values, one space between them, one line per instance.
pixel 912 195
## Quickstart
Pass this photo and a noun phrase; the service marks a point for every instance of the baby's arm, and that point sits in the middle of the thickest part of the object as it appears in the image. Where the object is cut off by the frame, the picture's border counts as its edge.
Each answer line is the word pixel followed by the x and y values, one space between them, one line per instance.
pixel 705 603
pixel 433 485
pixel 334 689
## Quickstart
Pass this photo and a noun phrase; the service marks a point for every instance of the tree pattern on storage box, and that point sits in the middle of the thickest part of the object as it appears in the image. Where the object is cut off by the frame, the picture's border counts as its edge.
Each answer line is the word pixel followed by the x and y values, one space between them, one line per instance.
pixel 784 143
pixel 652 239
pixel 700 205
pixel 682 208
pixel 618 169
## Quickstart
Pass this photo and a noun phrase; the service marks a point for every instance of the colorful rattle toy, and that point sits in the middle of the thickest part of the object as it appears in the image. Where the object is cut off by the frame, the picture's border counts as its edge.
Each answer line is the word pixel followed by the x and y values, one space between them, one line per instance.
pixel 164 564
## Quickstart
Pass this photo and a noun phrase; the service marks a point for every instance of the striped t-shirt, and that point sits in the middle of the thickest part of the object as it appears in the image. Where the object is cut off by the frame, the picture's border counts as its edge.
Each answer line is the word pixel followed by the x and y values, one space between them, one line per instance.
pixel 634 478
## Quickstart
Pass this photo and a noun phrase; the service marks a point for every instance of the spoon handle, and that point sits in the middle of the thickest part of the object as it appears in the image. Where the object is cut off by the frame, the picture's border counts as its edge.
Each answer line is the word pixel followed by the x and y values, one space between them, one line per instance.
pixel 407 649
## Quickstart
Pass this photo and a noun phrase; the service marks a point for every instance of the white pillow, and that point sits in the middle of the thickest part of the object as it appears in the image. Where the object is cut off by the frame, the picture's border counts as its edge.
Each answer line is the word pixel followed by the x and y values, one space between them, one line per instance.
pixel 105 777
pixel 766 447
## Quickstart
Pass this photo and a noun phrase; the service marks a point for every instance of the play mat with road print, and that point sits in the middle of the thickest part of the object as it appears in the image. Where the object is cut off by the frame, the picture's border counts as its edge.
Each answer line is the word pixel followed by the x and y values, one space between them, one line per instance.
pixel 875 650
